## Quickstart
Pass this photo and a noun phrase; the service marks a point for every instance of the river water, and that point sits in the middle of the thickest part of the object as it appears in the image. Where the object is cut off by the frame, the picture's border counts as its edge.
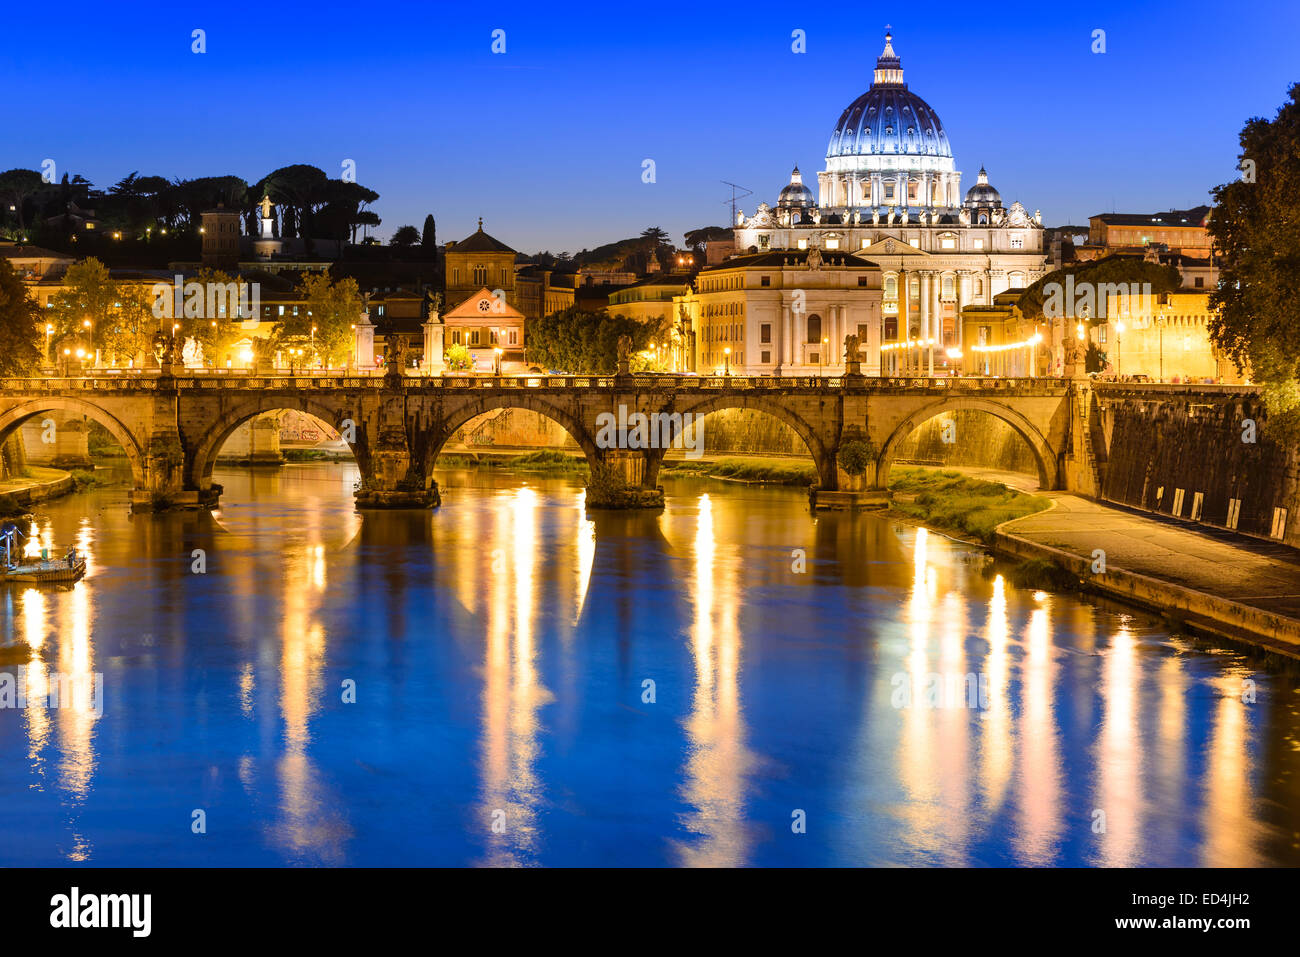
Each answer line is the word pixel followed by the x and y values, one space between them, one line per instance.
pixel 513 680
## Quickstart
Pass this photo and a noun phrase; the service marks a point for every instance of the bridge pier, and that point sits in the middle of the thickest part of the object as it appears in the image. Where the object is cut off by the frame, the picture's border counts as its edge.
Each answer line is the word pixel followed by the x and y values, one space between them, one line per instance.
pixel 388 479
pixel 618 481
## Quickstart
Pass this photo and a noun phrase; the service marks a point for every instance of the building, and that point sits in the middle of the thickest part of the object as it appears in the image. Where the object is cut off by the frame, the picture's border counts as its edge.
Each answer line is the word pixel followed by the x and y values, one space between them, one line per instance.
pixel 490 328
pixel 478 262
pixel 650 301
pixel 891 194
pixel 779 313
pixel 1179 230
pixel 1162 338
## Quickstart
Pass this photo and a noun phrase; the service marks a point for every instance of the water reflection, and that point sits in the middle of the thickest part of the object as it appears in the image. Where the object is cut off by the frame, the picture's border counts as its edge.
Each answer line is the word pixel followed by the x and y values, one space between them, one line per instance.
pixel 497 648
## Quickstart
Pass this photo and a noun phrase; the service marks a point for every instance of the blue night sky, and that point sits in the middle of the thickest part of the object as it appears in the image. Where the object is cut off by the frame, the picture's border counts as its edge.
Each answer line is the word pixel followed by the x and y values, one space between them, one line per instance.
pixel 546 141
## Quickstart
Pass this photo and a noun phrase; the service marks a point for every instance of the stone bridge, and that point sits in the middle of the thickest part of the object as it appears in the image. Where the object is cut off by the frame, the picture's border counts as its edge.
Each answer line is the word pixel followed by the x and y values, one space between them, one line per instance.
pixel 172 426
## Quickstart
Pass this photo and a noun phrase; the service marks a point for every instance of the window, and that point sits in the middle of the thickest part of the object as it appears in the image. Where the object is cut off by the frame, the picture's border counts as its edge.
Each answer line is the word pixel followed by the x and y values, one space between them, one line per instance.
pixel 803 244
pixel 862 280
pixel 914 243
pixel 455 276
pixel 814 358
pixel 1101 335
pixel 1017 242
pixel 948 286
pixel 832 244
pixel 891 287
pixel 814 328
pixel 480 275
pixel 891 328
pixel 765 332
pixel 765 357
pixel 765 280
pixel 947 242
pixel 979 244
pixel 514 337
pixel 1199 282
pixel 473 337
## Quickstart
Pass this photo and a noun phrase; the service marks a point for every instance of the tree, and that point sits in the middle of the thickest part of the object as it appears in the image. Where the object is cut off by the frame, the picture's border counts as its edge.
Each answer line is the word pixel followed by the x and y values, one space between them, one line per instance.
pixel 1254 227
pixel 1094 360
pixel 1095 275
pixel 429 237
pixel 457 357
pixel 216 335
pixel 331 310
pixel 82 312
pixel 580 342
pixel 405 236
pixel 20 326
pixel 16 187
pixel 300 190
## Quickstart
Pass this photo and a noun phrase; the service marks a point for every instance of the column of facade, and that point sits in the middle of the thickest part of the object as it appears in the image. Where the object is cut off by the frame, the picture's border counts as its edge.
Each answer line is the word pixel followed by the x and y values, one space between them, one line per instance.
pixel 963 293
pixel 926 277
pixel 902 189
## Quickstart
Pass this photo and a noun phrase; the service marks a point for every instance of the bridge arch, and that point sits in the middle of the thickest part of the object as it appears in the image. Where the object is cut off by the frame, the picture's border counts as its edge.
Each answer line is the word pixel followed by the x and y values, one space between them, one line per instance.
pixel 1045 456
pixel 472 407
pixel 823 458
pixel 199 473
pixel 13 418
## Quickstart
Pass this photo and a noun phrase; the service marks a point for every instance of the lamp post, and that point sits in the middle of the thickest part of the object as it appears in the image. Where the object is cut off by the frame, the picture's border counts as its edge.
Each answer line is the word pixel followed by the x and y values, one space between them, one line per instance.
pixel 1119 349
pixel 49 331
pixel 726 359
pixel 821 357
pixel 497 351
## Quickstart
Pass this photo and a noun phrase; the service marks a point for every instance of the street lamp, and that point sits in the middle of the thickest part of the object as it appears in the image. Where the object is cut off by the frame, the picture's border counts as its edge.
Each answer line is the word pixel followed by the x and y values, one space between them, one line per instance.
pixel 726 360
pixel 1119 349
pixel 497 351
pixel 821 356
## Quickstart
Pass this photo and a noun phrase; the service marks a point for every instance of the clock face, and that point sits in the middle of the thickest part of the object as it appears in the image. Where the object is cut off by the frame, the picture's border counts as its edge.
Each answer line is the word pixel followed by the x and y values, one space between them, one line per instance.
pixel 484 305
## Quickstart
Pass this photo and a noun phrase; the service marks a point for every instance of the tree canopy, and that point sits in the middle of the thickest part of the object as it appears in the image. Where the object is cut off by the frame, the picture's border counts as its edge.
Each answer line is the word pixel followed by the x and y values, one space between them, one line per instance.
pixel 580 342
pixel 19 325
pixel 1256 232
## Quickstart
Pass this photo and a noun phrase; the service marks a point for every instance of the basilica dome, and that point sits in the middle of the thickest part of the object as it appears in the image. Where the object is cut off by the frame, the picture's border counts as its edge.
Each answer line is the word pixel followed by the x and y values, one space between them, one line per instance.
pixel 889 119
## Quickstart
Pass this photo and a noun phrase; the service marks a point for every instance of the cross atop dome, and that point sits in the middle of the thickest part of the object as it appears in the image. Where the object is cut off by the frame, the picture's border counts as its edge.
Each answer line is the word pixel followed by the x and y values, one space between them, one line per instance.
pixel 889 68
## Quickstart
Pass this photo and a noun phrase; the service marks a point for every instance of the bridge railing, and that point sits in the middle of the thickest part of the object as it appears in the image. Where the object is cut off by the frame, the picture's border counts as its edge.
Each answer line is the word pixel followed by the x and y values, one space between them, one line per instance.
pixel 657 382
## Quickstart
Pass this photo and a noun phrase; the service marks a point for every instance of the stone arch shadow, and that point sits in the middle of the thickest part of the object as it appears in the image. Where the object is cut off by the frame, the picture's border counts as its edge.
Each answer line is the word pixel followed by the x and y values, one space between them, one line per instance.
pixel 199 468
pixel 1045 456
pixel 13 418
pixel 823 458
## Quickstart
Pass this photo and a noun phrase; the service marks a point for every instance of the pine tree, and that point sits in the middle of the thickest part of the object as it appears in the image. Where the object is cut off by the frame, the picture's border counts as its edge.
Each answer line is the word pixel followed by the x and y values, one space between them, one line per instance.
pixel 429 239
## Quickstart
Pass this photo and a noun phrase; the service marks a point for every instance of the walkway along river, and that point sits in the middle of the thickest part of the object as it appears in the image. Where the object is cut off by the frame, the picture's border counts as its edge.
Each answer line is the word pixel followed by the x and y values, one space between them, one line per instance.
pixel 514 679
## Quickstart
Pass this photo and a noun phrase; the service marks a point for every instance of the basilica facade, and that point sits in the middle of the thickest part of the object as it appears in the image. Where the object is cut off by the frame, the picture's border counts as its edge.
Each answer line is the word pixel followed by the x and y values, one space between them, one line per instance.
pixel 891 196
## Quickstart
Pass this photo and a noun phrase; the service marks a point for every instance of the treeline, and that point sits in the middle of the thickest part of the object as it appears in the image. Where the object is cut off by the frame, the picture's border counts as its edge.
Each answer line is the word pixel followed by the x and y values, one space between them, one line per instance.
pixel 308 205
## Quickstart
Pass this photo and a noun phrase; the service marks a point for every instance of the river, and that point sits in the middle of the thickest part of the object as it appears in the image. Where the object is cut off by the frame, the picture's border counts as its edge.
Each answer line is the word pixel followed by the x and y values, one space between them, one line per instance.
pixel 513 680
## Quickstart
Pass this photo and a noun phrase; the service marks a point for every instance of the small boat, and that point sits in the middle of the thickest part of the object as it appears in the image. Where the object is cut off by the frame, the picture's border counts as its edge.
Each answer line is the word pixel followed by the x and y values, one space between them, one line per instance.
pixel 62 571
pixel 40 571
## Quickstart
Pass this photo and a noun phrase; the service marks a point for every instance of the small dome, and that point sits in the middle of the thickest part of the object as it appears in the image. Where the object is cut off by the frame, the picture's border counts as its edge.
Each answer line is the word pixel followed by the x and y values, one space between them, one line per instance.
pixel 796 195
pixel 982 194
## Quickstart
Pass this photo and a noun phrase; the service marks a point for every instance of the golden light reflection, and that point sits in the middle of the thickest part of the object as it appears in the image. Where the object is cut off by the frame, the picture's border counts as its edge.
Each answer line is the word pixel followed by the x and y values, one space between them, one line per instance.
pixel 1231 827
pixel 586 554
pixel 309 825
pixel 998 737
pixel 1040 772
pixel 1119 778
pixel 718 759
pixel 512 695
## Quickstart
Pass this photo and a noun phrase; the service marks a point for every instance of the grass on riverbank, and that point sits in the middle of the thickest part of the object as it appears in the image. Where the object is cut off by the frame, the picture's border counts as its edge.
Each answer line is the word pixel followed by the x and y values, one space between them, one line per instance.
pixel 749 469
pixel 954 501
pixel 546 461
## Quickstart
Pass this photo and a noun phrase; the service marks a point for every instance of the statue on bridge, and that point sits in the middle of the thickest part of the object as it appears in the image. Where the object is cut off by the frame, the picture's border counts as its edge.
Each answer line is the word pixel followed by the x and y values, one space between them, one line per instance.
pixel 624 351
pixel 852 355
pixel 394 354
pixel 164 349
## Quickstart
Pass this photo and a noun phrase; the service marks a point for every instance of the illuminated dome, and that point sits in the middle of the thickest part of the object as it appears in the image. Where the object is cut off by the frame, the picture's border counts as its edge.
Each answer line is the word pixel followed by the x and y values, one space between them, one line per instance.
pixel 796 195
pixel 889 118
pixel 982 194
pixel 889 149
